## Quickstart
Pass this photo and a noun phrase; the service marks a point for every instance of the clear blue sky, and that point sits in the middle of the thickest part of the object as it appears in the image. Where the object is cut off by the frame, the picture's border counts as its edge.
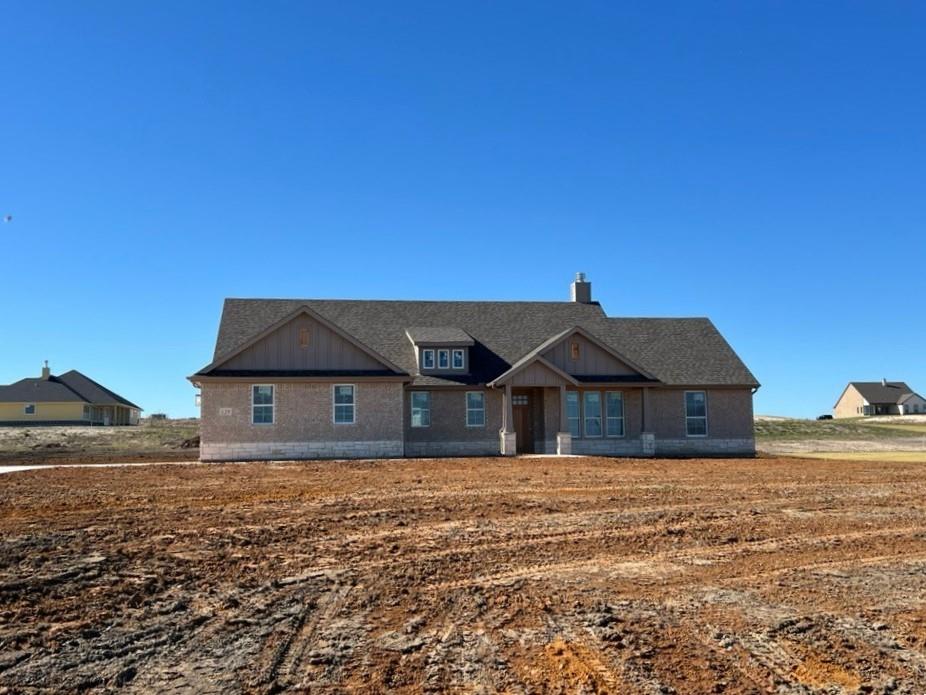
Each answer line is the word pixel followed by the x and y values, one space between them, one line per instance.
pixel 760 163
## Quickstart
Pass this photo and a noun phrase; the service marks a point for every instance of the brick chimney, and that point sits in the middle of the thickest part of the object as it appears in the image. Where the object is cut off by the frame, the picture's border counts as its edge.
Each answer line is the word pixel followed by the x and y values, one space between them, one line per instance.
pixel 46 372
pixel 581 289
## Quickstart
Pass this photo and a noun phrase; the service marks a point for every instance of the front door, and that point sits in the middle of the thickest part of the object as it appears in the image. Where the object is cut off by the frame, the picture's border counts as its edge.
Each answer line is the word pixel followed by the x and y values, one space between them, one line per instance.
pixel 523 422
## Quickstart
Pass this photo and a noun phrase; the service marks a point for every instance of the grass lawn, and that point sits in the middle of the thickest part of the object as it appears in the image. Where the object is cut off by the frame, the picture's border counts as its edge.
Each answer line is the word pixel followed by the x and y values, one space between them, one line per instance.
pixel 892 456
pixel 772 430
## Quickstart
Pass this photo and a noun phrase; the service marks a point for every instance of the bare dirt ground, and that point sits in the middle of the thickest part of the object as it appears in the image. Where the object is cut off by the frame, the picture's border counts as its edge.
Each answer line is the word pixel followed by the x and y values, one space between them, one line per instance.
pixel 151 440
pixel 521 576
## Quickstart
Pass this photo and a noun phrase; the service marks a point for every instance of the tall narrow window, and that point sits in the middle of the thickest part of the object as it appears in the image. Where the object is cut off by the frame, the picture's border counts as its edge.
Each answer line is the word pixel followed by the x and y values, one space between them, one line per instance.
pixel 344 404
pixel 421 408
pixel 443 359
pixel 696 413
pixel 427 359
pixel 572 412
pixel 303 337
pixel 262 404
pixel 592 414
pixel 475 409
pixel 614 412
pixel 457 359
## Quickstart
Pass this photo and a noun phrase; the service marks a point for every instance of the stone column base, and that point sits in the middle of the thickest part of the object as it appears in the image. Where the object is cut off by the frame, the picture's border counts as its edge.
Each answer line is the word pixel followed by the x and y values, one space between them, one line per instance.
pixel 648 440
pixel 563 443
pixel 508 443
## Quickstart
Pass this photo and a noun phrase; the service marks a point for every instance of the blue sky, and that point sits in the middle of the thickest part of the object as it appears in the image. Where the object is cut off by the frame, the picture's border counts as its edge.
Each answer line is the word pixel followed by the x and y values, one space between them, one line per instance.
pixel 759 163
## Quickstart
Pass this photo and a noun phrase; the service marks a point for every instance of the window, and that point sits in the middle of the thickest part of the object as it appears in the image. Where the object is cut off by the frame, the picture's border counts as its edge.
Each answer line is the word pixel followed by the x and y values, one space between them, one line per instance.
pixel 303 337
pixel 427 359
pixel 421 409
pixel 344 405
pixel 29 409
pixel 614 412
pixel 572 412
pixel 475 409
pixel 696 413
pixel 262 405
pixel 592 414
pixel 520 399
pixel 574 351
pixel 458 359
pixel 443 359
pixel 86 412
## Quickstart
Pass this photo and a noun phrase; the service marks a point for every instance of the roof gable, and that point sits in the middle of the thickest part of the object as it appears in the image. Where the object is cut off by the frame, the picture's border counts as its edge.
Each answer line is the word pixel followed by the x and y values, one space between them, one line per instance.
pixel 877 392
pixel 279 347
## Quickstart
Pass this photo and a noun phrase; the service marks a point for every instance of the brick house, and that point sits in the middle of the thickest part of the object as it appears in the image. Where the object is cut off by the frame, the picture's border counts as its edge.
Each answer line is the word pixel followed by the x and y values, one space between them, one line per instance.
pixel 349 378
pixel 864 398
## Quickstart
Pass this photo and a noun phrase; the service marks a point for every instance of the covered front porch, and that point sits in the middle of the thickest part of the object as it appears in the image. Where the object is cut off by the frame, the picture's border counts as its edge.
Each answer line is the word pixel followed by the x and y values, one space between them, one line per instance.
pixel 594 418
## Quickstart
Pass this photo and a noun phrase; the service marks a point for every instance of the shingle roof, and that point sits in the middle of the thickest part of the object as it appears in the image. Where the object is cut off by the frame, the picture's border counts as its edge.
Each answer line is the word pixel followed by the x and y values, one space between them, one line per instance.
pixel 68 387
pixel 675 351
pixel 439 335
pixel 876 392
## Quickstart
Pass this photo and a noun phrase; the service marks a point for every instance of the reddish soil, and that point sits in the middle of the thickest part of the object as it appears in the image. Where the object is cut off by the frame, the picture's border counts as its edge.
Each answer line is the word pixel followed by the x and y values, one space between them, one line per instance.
pixel 520 576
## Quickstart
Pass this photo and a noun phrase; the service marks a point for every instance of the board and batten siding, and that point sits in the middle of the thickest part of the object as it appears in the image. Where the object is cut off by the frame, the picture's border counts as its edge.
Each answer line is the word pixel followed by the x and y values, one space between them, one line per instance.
pixel 592 359
pixel 536 374
pixel 281 349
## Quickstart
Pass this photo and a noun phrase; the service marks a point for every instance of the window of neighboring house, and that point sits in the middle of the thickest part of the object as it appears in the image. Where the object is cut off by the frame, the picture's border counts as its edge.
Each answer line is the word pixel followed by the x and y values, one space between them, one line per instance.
pixel 572 412
pixel 421 408
pixel 574 350
pixel 427 359
pixel 262 404
pixel 29 409
pixel 457 359
pixel 303 337
pixel 696 413
pixel 614 413
pixel 86 412
pixel 592 414
pixel 475 409
pixel 443 359
pixel 345 406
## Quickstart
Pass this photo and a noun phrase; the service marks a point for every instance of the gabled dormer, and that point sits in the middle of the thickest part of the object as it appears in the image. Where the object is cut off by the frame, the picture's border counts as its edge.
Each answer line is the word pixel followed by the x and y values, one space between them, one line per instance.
pixel 441 349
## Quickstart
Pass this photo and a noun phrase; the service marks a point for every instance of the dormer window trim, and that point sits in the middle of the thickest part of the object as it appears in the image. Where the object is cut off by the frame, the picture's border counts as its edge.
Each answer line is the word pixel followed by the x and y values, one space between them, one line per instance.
pixel 427 359
pixel 443 359
pixel 458 364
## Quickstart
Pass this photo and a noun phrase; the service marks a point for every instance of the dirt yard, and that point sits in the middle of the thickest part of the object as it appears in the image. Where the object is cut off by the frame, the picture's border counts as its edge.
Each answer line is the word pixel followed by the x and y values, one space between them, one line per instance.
pixel 520 576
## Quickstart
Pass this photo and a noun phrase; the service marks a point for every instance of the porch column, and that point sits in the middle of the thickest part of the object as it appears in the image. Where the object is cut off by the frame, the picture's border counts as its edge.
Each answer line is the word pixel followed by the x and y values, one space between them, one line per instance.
pixel 507 437
pixel 563 437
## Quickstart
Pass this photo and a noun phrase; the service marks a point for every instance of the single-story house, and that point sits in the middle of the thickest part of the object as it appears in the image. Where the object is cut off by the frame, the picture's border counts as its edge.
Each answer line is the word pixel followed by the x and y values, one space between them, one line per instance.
pixel 68 399
pixel 322 378
pixel 861 398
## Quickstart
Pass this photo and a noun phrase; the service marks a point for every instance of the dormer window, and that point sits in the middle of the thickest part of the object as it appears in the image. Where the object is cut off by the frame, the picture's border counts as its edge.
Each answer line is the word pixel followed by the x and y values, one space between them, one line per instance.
pixel 443 359
pixel 457 361
pixel 427 359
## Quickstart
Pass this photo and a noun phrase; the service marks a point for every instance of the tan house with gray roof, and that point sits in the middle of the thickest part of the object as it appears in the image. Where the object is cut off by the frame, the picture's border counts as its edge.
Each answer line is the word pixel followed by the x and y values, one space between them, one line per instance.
pixel 321 378
pixel 865 398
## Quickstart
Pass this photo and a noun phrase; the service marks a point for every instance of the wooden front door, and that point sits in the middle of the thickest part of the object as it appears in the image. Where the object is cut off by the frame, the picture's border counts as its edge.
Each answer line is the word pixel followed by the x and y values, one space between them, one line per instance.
pixel 523 422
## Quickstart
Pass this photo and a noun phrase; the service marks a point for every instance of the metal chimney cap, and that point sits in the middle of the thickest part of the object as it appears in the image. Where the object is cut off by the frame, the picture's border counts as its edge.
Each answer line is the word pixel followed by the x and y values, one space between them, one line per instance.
pixel 580 277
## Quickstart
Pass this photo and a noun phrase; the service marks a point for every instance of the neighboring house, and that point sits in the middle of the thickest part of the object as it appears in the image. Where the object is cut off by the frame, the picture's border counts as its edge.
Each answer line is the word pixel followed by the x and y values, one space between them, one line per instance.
pixel 68 399
pixel 883 397
pixel 322 378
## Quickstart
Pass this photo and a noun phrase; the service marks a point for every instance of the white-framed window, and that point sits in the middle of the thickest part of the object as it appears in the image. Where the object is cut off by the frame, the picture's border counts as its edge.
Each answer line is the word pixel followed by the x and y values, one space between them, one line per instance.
pixel 29 409
pixel 457 360
pixel 86 412
pixel 696 413
pixel 475 409
pixel 427 359
pixel 614 413
pixel 421 408
pixel 343 397
pixel 262 400
pixel 572 412
pixel 592 413
pixel 443 359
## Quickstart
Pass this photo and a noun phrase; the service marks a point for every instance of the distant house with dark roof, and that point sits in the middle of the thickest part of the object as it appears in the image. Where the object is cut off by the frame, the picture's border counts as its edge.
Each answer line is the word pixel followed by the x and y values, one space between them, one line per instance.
pixel 68 399
pixel 862 398
pixel 320 378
